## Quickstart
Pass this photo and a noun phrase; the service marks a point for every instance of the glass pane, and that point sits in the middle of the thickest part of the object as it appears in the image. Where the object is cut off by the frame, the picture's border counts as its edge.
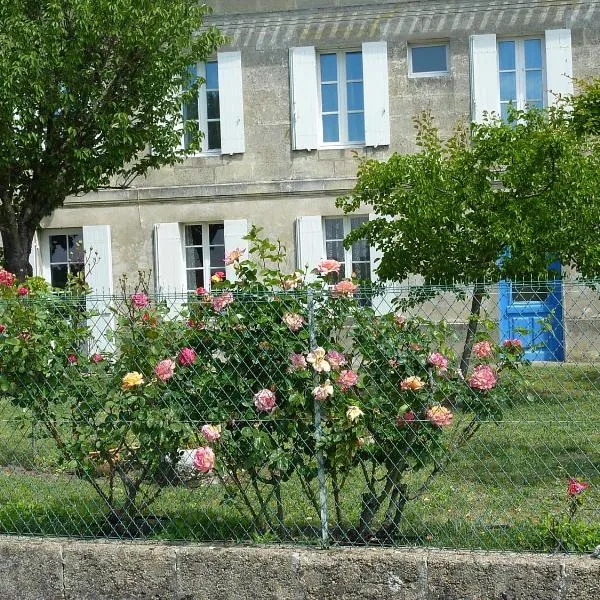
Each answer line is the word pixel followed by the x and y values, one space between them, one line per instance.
pixel 217 257
pixel 76 268
pixel 360 250
pixel 362 271
pixel 58 275
pixel 329 97
pixel 195 279
pixel 508 86
pixel 335 250
pixel 533 84
pixel 506 55
pixel 76 249
pixel 428 59
pixel 212 105
pixel 328 67
pixel 193 71
pixel 533 54
pixel 354 66
pixel 58 248
pixel 535 103
pixel 193 235
pixel 530 292
pixel 357 221
pixel 193 258
pixel 356 127
pixel 214 135
pixel 188 137
pixel 190 110
pixel 331 129
pixel 212 76
pixel 356 99
pixel 504 111
pixel 216 234
pixel 334 229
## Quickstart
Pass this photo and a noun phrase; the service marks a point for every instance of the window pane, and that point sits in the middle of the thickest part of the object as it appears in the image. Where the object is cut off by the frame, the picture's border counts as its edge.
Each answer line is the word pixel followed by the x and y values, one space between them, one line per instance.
pixel 214 135
pixel 356 127
pixel 76 250
pixel 533 82
pixel 530 292
pixel 335 250
pixel 217 257
pixel 508 86
pixel 504 111
pixel 212 105
pixel 189 136
pixel 195 279
pixel 193 235
pixel 331 129
pixel 334 229
pixel 329 97
pixel 362 271
pixel 76 268
pixel 58 248
pixel 328 67
pixel 212 76
pixel 190 110
pixel 360 250
pixel 535 103
pixel 58 276
pixel 216 234
pixel 428 59
pixel 356 99
pixel 506 55
pixel 357 221
pixel 354 66
pixel 533 54
pixel 193 258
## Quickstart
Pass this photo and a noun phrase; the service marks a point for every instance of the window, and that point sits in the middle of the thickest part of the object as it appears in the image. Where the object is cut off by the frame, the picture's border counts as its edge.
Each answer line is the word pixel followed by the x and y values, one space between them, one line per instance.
pixel 356 259
pixel 204 253
pixel 429 60
pixel 204 109
pixel 341 98
pixel 66 254
pixel 520 68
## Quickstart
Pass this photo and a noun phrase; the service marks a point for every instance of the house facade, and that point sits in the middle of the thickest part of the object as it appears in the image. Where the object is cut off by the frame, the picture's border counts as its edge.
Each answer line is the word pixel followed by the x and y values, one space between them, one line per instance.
pixel 304 88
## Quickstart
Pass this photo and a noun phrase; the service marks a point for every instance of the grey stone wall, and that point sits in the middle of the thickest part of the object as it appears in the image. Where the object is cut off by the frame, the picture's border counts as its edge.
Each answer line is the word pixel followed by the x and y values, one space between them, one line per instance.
pixel 72 570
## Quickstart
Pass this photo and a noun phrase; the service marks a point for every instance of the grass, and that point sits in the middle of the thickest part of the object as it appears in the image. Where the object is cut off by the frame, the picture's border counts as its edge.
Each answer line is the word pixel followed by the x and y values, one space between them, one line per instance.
pixel 497 493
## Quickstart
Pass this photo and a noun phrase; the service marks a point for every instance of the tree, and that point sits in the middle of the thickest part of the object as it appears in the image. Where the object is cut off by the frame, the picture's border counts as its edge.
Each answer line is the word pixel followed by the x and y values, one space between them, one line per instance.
pixel 496 200
pixel 88 87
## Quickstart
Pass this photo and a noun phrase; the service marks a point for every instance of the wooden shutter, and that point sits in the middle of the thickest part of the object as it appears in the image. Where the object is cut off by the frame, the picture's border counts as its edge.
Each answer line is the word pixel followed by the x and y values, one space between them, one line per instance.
pixel 381 303
pixel 169 263
pixel 485 86
pixel 376 92
pixel 99 276
pixel 559 64
pixel 235 230
pixel 304 98
pixel 35 256
pixel 231 102
pixel 310 246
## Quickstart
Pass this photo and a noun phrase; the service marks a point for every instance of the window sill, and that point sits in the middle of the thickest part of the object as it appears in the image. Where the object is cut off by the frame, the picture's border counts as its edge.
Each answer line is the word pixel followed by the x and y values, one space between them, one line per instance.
pixel 349 146
pixel 430 75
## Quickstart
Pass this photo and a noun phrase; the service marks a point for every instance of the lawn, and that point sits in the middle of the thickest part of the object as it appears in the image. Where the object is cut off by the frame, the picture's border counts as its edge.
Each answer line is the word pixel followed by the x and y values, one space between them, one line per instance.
pixel 497 493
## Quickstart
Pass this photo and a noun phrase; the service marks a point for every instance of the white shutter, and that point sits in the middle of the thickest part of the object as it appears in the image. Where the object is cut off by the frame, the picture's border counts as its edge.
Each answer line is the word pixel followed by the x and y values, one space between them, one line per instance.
pixel 169 263
pixel 310 243
pixel 559 64
pixel 99 276
pixel 231 102
pixel 485 86
pixel 377 100
pixel 304 98
pixel 35 256
pixel 381 303
pixel 235 230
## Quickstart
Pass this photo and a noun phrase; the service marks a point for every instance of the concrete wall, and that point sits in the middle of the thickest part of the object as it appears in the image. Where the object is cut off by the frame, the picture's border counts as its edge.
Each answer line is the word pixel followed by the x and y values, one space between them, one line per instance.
pixel 52 570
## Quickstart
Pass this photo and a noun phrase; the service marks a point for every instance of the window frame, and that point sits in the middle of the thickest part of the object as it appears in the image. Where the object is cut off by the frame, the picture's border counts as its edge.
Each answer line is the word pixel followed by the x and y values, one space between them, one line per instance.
pixel 520 70
pixel 413 75
pixel 206 245
pixel 342 99
pixel 46 254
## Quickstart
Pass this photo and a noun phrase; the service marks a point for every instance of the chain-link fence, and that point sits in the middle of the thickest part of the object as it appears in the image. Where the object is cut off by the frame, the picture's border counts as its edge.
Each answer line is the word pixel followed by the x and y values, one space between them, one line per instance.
pixel 306 417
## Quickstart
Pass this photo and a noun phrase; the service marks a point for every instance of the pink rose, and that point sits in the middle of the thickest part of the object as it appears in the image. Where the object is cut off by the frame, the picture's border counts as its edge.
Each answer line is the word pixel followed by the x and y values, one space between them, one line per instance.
pixel 200 291
pixel 140 300
pixel 413 384
pixel 187 357
pixel 265 401
pixel 323 391
pixel 204 459
pixel 293 321
pixel 327 266
pixel 72 359
pixel 513 346
pixel 233 256
pixel 344 288
pixel 335 359
pixel 483 378
pixel 348 379
pixel 211 432
pixel 165 369
pixel 439 361
pixel 400 320
pixel 23 291
pixel 148 319
pixel 298 362
pixel 576 487
pixel 218 277
pixel 482 349
pixel 96 358
pixel 440 416
pixel 407 418
pixel 7 279
pixel 2 328
pixel 222 301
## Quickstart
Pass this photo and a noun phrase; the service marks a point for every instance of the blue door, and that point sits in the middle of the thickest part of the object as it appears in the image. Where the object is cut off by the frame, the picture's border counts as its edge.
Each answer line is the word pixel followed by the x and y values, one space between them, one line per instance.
pixel 533 313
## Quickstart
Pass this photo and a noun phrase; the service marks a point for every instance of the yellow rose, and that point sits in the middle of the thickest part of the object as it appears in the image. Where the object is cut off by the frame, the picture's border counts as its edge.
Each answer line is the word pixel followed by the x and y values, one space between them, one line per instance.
pixel 353 413
pixel 131 380
pixel 412 383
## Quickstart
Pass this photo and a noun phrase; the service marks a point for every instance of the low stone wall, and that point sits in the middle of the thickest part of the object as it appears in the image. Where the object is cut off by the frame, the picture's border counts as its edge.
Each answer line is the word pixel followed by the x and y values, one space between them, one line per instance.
pixel 55 569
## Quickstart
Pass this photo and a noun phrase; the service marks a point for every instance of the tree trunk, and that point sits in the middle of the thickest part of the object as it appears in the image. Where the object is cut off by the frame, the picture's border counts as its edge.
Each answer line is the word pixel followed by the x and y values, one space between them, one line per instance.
pixel 17 247
pixel 476 302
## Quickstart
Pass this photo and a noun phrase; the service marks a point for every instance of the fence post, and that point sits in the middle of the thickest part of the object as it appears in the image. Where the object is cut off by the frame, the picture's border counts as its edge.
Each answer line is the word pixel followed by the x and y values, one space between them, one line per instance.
pixel 318 431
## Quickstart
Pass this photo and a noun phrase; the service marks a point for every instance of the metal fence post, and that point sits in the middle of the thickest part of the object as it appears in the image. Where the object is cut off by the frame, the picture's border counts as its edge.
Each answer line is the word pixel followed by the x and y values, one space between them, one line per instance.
pixel 318 431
